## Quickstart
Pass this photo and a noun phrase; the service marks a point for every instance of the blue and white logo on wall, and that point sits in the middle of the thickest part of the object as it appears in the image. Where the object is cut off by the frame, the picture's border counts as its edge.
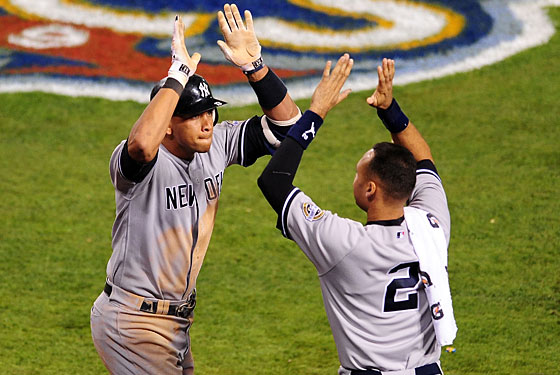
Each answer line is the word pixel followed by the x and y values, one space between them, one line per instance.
pixel 117 49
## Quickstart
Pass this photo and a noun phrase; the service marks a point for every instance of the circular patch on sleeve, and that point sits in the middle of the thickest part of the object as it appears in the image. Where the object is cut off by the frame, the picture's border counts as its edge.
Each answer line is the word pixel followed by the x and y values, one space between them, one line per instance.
pixel 312 212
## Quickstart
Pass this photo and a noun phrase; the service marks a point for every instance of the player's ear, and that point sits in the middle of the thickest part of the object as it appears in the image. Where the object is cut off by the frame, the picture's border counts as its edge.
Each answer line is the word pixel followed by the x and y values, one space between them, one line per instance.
pixel 169 130
pixel 371 188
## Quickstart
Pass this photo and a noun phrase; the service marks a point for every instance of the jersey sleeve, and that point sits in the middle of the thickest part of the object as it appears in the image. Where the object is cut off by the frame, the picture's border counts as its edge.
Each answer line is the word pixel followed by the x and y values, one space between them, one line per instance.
pixel 246 141
pixel 120 182
pixel 429 195
pixel 126 185
pixel 133 170
pixel 324 237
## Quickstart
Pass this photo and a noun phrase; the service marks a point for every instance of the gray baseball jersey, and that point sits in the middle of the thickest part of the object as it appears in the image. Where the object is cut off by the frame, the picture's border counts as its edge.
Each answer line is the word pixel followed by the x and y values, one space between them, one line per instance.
pixel 164 223
pixel 369 277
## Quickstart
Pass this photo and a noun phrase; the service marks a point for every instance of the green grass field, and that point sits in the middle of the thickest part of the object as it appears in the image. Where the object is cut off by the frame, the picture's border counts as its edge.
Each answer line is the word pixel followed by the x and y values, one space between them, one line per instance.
pixel 495 136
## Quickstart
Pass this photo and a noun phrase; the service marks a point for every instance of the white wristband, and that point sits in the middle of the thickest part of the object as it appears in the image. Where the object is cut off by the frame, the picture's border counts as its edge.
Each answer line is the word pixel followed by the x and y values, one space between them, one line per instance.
pixel 179 71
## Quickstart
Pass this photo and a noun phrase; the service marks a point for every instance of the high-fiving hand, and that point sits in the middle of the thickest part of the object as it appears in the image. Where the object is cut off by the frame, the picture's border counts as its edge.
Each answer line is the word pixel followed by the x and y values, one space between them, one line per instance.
pixel 383 95
pixel 327 94
pixel 179 54
pixel 241 46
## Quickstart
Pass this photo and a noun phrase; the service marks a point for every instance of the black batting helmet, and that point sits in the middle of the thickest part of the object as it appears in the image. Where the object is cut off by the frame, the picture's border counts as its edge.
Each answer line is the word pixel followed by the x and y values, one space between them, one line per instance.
pixel 195 99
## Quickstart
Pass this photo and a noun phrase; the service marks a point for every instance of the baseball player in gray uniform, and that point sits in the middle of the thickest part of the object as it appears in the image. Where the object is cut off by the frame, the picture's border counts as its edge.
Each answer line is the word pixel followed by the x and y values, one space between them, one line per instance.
pixel 168 175
pixel 370 277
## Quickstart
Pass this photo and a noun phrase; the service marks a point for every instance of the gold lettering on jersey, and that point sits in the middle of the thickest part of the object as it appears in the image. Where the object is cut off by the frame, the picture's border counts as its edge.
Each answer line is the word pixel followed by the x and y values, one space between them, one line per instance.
pixel 312 212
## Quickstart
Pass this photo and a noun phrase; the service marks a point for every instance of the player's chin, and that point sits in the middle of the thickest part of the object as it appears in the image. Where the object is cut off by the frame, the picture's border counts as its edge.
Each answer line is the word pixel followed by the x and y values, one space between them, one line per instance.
pixel 203 144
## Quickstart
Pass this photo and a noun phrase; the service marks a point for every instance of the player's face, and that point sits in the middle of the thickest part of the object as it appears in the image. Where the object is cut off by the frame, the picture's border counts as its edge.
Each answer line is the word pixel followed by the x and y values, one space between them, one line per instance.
pixel 193 134
pixel 362 181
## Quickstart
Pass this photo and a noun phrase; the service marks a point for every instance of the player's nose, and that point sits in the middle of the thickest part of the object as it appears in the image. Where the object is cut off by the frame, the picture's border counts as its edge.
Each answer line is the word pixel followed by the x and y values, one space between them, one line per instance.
pixel 207 121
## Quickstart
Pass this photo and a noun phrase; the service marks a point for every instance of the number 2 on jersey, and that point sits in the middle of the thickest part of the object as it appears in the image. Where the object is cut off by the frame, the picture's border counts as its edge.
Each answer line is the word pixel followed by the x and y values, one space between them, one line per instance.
pixel 411 303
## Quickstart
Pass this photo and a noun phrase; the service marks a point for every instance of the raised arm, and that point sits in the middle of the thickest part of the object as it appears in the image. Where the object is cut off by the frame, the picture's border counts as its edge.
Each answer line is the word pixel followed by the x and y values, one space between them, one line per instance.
pixel 149 130
pixel 428 193
pixel 403 131
pixel 241 47
pixel 276 179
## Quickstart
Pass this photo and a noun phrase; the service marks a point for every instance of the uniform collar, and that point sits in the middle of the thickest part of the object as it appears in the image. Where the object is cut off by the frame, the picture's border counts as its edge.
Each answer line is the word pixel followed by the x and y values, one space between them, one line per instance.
pixel 387 223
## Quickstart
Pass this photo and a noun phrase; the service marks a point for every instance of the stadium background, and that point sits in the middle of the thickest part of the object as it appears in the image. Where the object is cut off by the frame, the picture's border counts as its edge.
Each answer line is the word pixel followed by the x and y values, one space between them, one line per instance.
pixel 493 131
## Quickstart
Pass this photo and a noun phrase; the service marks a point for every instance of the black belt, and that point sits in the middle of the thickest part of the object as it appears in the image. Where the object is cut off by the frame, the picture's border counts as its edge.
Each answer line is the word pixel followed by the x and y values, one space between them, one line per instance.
pixel 183 310
pixel 431 369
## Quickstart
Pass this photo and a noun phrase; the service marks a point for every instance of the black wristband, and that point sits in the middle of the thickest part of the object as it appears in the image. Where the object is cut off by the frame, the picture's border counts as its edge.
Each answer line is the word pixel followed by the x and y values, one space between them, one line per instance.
pixel 393 117
pixel 172 83
pixel 304 130
pixel 270 90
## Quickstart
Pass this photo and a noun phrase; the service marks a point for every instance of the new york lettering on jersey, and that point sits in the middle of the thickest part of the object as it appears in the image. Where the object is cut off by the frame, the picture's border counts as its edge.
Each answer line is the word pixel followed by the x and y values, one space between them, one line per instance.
pixel 181 196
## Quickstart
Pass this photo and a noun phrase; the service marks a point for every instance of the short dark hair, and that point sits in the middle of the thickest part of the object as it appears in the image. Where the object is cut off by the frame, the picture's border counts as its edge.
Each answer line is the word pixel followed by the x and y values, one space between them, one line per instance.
pixel 395 168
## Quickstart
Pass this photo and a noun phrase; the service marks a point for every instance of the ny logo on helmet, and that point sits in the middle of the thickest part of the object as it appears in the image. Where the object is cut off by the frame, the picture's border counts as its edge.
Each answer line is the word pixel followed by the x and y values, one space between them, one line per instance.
pixel 204 90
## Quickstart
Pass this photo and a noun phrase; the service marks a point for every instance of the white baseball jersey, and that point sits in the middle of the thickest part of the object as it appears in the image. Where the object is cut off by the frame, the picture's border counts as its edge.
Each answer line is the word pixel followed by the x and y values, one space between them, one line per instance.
pixel 164 223
pixel 369 277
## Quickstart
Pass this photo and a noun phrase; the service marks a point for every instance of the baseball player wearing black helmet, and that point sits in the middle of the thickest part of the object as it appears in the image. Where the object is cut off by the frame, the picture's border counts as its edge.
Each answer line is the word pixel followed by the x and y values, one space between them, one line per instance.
pixel 196 98
pixel 168 175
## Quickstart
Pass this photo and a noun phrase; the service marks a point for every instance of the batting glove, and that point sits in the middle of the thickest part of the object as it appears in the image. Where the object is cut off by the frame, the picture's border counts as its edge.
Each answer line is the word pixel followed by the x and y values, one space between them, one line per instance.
pixel 183 66
pixel 241 46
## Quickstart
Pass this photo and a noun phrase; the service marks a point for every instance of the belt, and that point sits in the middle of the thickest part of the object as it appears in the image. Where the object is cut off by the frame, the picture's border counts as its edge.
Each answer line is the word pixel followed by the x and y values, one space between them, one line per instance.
pixel 182 310
pixel 431 369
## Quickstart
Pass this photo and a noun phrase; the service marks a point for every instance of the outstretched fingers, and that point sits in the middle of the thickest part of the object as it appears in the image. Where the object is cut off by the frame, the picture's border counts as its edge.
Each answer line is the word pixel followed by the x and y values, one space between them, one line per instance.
pixel 240 45
pixel 345 69
pixel 349 67
pixel 178 27
pixel 237 17
pixel 179 49
pixel 178 36
pixel 224 26
pixel 383 94
pixel 381 77
pixel 327 69
pixel 327 94
pixel 342 69
pixel 249 20
pixel 229 17
pixel 385 65
pixel 391 68
pixel 386 72
pixel 345 75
